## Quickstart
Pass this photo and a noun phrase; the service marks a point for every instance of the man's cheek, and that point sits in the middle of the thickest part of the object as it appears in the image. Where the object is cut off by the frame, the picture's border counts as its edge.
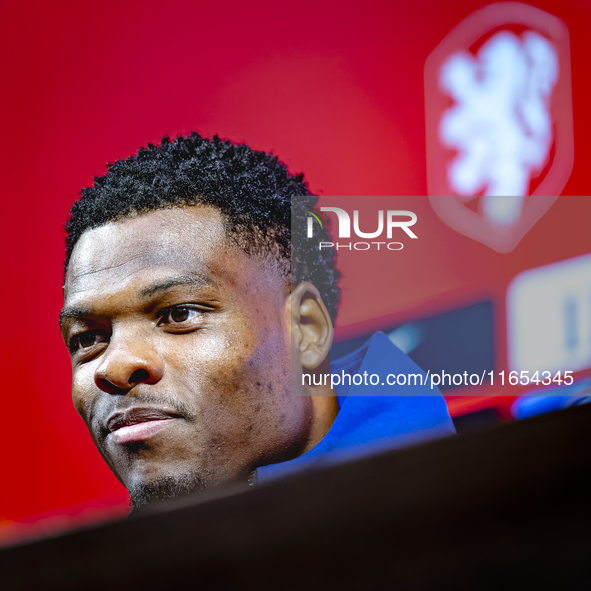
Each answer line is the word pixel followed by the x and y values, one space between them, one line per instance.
pixel 231 400
pixel 83 393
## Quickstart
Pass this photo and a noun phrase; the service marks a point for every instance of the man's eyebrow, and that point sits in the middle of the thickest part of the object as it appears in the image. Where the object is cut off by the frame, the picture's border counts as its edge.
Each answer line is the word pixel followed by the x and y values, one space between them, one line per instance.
pixel 166 284
pixel 73 313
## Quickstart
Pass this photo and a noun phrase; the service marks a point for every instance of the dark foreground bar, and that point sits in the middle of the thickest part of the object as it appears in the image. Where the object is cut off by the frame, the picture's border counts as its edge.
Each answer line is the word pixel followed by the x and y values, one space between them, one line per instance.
pixel 509 508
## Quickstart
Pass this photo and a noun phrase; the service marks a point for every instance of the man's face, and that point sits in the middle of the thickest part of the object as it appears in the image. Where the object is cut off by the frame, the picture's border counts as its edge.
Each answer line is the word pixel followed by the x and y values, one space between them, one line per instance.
pixel 180 347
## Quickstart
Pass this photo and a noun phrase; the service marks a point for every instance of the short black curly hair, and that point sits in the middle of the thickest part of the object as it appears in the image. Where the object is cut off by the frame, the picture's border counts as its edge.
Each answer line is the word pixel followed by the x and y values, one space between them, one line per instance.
pixel 253 191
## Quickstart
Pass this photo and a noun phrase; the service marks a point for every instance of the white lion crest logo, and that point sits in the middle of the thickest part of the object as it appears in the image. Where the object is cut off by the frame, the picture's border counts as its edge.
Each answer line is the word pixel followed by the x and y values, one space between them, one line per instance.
pixel 501 124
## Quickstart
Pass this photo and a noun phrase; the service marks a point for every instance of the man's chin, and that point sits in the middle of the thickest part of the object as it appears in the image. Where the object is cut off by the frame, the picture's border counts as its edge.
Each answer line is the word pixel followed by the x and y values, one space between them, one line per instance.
pixel 145 494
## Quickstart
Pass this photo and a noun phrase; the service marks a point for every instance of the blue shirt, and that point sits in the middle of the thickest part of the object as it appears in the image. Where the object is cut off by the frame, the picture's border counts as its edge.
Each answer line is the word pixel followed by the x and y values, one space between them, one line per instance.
pixel 373 418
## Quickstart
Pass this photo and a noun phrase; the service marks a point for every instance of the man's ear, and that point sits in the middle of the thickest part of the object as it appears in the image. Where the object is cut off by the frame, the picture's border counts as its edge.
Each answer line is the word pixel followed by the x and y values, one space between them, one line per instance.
pixel 311 325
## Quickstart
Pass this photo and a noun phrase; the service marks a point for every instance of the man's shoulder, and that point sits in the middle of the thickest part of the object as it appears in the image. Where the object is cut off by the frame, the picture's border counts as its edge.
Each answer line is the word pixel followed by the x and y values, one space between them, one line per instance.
pixel 378 409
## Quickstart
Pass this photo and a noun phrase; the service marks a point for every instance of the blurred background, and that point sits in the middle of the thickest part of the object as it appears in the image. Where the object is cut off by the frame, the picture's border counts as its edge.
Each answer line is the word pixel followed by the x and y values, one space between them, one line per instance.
pixel 470 100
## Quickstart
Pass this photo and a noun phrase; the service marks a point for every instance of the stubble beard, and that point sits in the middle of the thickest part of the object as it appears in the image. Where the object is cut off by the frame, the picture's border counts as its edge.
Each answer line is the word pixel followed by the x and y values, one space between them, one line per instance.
pixel 145 495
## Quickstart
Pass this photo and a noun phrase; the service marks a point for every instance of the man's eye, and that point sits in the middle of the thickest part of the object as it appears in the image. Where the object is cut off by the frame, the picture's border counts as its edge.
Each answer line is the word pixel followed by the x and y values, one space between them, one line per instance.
pixel 178 315
pixel 87 340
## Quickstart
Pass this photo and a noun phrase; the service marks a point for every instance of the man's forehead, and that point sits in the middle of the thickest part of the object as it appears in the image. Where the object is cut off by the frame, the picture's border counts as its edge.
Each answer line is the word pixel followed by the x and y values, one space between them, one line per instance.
pixel 186 240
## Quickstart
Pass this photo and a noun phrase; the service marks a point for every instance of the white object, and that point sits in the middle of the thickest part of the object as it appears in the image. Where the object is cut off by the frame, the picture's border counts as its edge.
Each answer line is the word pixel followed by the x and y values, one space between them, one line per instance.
pixel 549 317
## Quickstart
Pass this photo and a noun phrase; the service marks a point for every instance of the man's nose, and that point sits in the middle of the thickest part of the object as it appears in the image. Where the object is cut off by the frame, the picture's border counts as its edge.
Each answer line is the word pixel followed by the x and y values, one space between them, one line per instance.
pixel 128 361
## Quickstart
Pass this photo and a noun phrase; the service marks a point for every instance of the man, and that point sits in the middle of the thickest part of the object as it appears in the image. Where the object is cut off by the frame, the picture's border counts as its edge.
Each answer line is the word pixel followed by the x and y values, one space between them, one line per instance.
pixel 191 324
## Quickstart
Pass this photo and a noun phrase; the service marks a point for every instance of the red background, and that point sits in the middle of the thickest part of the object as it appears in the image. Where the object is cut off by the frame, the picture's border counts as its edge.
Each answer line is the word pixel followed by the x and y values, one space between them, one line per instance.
pixel 334 88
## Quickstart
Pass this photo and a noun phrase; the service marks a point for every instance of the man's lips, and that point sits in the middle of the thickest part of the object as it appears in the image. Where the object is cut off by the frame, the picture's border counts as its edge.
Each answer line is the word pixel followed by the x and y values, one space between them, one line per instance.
pixel 138 424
